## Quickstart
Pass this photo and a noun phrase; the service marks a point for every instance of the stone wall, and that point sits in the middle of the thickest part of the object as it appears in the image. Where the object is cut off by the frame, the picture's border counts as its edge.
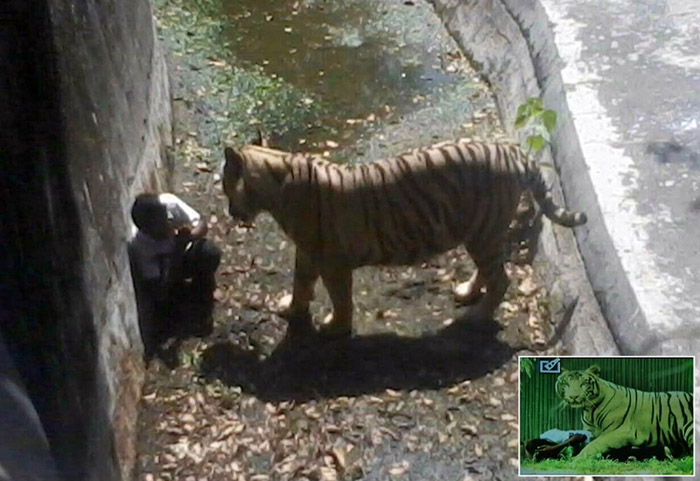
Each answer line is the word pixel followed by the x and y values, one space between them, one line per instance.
pixel 85 116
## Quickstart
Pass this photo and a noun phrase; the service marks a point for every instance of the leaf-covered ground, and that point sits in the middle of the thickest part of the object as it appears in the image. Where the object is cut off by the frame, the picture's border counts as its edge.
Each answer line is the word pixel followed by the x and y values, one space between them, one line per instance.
pixel 419 393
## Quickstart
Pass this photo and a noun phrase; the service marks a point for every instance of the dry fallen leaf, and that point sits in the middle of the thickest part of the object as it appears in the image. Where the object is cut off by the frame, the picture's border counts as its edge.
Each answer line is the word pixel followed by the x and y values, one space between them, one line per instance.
pixel 397 469
pixel 469 429
pixel 312 412
pixel 393 393
pixel 203 167
pixel 284 302
pixel 495 402
pixel 339 458
pixel 324 473
pixel 387 314
pixel 527 287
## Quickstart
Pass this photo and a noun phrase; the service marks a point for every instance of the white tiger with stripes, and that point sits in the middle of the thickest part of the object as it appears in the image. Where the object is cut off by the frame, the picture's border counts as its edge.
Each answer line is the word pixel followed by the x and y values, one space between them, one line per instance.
pixel 393 211
pixel 619 416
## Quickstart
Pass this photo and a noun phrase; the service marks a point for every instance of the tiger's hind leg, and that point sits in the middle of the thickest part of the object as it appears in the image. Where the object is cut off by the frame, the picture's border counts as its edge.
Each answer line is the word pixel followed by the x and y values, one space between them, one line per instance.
pixel 490 270
pixel 338 282
pixel 305 276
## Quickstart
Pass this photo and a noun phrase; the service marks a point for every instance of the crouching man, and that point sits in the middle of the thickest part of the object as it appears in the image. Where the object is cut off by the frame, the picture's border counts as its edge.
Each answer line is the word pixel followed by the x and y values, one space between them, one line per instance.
pixel 172 264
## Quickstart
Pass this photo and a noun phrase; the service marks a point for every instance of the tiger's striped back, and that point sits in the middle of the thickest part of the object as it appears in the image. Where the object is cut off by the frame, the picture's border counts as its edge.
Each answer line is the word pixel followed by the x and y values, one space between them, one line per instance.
pixel 403 209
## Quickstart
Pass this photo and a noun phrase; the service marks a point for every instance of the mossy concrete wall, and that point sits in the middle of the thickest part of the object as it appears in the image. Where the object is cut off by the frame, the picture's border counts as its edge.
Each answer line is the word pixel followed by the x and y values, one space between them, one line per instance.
pixel 85 113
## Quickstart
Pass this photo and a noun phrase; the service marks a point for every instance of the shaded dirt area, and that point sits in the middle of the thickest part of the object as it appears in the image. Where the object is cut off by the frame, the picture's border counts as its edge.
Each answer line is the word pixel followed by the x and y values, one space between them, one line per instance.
pixel 419 393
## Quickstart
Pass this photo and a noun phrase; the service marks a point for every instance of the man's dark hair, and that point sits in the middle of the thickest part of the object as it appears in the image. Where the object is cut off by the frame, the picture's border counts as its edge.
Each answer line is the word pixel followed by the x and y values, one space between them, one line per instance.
pixel 146 209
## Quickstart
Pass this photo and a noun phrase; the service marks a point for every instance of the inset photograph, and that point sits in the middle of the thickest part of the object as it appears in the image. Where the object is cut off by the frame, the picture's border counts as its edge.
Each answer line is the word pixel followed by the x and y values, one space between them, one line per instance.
pixel 612 416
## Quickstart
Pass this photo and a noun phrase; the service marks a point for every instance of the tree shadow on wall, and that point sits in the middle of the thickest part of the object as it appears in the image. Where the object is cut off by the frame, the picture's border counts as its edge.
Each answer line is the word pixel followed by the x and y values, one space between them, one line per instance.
pixel 311 368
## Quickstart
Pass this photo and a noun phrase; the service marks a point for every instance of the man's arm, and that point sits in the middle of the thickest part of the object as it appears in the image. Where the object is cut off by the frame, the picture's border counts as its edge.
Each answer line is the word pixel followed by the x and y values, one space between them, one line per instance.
pixel 200 230
pixel 192 226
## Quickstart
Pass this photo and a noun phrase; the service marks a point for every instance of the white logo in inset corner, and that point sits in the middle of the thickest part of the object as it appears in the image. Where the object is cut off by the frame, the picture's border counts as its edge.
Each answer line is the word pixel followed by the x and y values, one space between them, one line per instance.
pixel 551 366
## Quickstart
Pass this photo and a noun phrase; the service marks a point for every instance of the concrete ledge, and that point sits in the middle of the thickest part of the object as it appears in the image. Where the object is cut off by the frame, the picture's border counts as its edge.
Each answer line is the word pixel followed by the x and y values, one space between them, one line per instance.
pixel 488 33
pixel 640 254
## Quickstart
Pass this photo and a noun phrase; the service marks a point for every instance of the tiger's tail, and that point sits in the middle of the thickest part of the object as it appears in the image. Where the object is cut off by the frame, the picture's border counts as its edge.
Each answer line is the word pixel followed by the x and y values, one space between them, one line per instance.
pixel 544 198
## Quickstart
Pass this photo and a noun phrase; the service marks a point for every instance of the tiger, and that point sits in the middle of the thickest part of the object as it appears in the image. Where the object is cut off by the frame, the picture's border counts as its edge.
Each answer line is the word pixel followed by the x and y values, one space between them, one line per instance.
pixel 620 417
pixel 392 211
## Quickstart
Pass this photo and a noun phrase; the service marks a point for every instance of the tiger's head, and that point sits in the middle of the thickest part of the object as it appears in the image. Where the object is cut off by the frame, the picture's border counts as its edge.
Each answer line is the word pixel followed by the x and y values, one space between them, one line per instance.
pixel 240 206
pixel 579 389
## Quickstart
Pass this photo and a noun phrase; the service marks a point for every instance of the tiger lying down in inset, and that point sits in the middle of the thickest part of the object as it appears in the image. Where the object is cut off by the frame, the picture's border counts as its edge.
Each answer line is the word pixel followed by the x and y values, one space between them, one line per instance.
pixel 620 417
pixel 394 211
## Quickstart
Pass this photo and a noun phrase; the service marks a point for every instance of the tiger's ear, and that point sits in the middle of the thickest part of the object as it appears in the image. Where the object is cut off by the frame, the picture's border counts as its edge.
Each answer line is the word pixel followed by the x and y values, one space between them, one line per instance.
pixel 260 141
pixel 594 369
pixel 234 161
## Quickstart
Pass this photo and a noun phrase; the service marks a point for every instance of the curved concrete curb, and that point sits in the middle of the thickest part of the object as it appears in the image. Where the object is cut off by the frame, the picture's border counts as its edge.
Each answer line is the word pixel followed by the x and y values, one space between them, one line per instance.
pixel 488 33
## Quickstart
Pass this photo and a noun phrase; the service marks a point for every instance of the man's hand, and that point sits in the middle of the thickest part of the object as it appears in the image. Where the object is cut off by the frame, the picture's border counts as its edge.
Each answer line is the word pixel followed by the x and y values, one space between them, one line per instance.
pixel 183 233
pixel 183 236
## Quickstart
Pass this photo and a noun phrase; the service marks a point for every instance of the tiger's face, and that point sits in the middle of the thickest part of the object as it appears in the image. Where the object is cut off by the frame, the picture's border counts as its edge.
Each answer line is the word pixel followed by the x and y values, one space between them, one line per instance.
pixel 579 389
pixel 240 206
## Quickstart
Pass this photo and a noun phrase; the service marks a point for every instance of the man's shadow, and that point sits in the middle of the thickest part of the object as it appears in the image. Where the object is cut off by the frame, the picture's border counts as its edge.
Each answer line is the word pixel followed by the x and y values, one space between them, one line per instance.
pixel 307 368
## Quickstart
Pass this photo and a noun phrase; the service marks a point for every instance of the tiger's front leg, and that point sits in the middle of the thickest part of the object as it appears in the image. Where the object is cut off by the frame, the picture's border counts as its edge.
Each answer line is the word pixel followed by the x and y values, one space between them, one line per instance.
pixel 338 282
pixel 605 442
pixel 305 276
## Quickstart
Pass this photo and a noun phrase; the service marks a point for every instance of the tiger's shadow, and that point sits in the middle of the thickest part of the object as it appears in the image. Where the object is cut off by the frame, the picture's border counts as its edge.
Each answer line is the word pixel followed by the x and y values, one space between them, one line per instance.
pixel 302 369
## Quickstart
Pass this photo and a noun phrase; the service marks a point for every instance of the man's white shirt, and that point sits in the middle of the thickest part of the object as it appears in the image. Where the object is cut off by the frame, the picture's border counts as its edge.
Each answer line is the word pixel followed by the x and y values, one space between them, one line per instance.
pixel 148 252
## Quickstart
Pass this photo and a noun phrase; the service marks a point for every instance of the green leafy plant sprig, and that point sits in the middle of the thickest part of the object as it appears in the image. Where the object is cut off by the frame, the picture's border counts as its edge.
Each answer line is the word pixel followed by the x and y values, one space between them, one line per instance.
pixel 537 121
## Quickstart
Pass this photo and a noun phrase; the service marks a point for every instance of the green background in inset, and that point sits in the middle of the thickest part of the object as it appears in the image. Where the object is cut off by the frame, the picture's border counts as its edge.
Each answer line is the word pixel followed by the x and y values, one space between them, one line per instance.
pixel 541 409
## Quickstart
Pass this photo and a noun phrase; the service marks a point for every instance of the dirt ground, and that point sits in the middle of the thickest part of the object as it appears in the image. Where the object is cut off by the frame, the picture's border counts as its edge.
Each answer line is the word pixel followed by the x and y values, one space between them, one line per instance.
pixel 419 393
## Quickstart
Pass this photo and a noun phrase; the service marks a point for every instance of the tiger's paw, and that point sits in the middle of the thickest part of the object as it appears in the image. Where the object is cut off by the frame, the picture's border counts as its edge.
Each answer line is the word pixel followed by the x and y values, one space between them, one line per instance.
pixel 335 330
pixel 477 313
pixel 292 312
pixel 467 293
pixel 299 321
pixel 300 327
